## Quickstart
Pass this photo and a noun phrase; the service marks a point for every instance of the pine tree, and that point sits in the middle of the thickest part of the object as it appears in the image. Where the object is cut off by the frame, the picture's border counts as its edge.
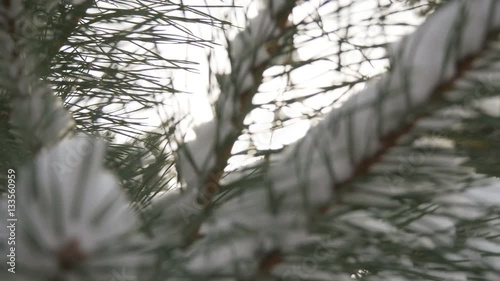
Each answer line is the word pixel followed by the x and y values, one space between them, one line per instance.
pixel 395 177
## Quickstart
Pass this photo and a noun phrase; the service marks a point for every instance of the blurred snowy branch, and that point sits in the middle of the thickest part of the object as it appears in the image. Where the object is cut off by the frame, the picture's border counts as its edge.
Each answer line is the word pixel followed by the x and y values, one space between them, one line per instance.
pixel 201 162
pixel 91 213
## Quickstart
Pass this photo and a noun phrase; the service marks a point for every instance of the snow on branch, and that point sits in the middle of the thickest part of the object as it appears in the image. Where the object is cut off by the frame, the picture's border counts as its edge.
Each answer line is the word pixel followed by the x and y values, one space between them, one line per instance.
pixel 37 115
pixel 333 151
pixel 72 211
pixel 74 220
pixel 345 142
pixel 202 161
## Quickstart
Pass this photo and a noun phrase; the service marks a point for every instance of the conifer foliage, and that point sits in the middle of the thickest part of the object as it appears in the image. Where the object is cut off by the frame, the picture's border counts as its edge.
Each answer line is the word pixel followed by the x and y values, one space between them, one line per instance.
pixel 365 136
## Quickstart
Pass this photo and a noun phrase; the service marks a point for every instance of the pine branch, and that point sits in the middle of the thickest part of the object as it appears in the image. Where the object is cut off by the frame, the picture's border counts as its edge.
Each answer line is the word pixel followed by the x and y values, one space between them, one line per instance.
pixel 113 58
pixel 330 153
pixel 37 115
pixel 437 220
pixel 350 138
pixel 63 179
pixel 202 164
pixel 64 21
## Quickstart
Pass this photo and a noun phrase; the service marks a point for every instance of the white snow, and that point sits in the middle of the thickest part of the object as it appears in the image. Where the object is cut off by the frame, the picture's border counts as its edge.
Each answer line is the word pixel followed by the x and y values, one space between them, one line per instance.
pixel 195 158
pixel 365 220
pixel 434 142
pixel 333 150
pixel 484 245
pixel 247 50
pixel 487 195
pixel 176 210
pixel 40 117
pixel 307 172
pixel 66 196
pixel 460 205
pixel 489 106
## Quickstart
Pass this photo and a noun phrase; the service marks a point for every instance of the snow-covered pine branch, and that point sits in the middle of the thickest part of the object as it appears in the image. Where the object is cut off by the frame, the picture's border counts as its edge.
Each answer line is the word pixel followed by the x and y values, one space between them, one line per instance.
pixel 37 116
pixel 201 162
pixel 333 151
pixel 71 211
pixel 279 211
pixel 74 219
pixel 76 223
